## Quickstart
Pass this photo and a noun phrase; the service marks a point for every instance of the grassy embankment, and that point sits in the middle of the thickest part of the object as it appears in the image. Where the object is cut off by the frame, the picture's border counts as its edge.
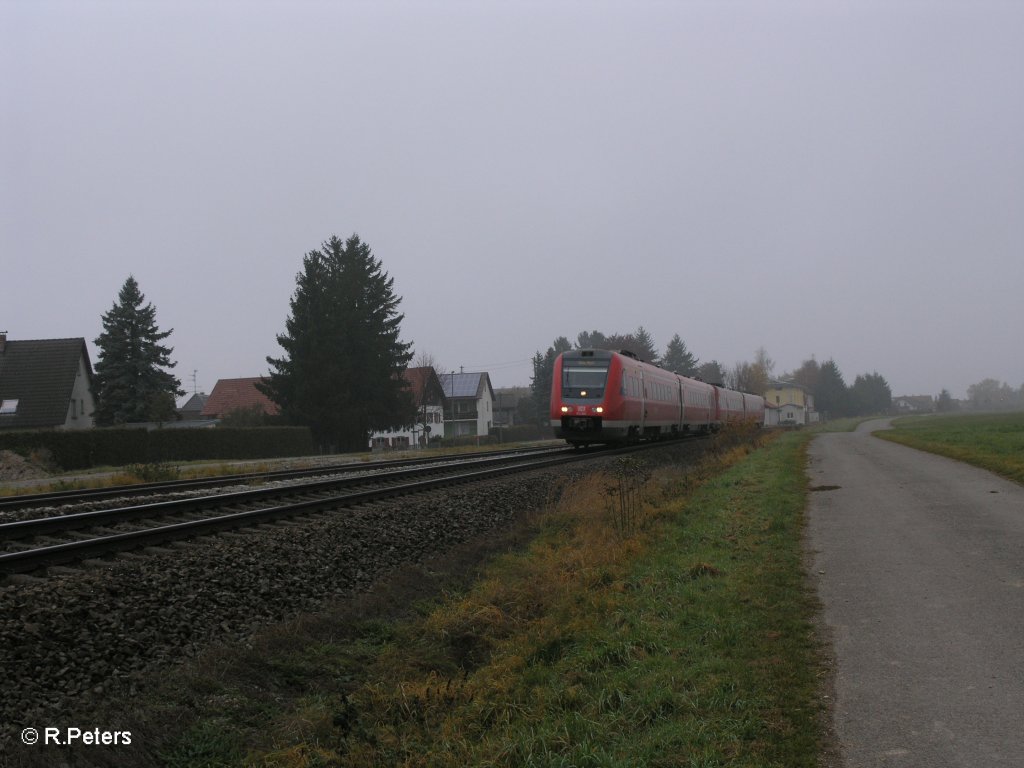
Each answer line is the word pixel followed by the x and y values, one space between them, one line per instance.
pixel 656 619
pixel 993 441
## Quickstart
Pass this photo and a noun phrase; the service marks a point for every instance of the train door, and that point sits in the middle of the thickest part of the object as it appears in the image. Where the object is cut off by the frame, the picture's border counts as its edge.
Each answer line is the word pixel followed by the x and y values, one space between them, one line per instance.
pixel 643 403
pixel 681 421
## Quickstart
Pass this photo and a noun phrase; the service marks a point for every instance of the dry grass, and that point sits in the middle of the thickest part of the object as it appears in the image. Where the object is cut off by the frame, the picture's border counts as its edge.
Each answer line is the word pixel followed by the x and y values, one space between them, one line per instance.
pixel 680 638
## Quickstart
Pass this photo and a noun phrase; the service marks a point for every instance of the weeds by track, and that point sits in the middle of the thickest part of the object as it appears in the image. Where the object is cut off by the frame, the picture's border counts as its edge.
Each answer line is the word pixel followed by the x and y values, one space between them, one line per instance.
pixel 684 639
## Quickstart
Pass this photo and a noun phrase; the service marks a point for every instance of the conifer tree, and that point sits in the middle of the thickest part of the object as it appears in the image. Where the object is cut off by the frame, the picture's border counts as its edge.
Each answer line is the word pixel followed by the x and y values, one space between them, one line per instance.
pixel 645 348
pixel 341 372
pixel 831 396
pixel 711 372
pixel 678 358
pixel 131 384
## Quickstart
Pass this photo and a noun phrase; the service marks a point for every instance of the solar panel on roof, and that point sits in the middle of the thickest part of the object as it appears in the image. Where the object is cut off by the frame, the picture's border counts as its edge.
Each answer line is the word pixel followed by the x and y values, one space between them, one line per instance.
pixel 460 384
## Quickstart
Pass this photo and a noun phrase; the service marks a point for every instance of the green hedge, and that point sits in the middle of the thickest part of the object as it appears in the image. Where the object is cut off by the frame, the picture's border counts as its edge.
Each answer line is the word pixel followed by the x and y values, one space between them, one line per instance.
pixel 522 432
pixel 118 447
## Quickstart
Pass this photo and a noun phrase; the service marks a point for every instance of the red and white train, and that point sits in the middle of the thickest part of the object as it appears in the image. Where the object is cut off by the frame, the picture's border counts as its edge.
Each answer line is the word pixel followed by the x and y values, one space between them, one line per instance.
pixel 599 396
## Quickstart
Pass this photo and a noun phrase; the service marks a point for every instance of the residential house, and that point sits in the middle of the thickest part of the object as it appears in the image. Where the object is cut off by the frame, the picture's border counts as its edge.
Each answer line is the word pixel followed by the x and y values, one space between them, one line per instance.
pixel 787 402
pixel 192 410
pixel 238 395
pixel 428 395
pixel 470 404
pixel 913 404
pixel 45 384
pixel 506 405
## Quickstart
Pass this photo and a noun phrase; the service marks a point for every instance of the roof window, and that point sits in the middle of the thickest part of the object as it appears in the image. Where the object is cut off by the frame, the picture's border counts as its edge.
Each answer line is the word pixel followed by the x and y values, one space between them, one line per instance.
pixel 8 407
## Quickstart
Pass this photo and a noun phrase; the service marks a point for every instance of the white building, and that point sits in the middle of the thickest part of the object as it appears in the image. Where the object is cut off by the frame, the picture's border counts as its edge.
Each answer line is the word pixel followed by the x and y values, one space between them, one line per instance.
pixel 469 404
pixel 429 398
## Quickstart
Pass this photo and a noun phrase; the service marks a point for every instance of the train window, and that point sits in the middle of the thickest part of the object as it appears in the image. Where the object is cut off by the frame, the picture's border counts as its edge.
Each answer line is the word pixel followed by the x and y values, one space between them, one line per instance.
pixel 586 383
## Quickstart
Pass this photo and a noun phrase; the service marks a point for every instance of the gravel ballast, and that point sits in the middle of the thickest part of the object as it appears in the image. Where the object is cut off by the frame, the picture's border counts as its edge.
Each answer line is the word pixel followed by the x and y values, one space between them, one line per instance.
pixel 81 635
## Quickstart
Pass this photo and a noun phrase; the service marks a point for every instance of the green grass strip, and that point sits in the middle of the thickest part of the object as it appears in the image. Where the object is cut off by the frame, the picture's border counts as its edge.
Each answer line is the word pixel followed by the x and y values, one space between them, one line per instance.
pixel 993 441
pixel 703 656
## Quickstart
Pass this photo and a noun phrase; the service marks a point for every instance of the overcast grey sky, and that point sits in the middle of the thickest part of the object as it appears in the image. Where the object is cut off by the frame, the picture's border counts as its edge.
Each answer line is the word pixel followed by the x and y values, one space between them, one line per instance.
pixel 843 179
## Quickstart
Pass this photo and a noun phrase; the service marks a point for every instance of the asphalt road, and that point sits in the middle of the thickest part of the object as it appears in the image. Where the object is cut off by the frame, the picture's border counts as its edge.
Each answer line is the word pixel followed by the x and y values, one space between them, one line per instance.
pixel 919 562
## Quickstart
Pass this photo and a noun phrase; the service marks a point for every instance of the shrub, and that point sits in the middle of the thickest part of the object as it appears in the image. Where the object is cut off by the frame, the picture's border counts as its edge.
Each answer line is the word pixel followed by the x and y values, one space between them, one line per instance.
pixel 124 446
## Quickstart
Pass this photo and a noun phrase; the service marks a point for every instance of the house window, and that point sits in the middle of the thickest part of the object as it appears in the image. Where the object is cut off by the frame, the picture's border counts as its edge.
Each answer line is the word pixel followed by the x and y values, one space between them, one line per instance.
pixel 8 407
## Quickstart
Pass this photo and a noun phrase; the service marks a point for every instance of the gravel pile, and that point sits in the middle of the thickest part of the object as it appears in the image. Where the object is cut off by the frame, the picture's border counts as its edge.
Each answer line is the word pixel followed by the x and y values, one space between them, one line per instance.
pixel 16 467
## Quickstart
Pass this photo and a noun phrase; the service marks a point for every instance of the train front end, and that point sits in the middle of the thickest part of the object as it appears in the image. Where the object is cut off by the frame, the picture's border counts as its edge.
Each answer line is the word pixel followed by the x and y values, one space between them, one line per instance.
pixel 582 399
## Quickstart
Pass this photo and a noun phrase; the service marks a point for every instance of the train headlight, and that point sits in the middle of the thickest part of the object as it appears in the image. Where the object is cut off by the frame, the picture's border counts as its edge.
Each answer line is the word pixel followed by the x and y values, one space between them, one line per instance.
pixel 565 409
pixel 583 393
pixel 599 409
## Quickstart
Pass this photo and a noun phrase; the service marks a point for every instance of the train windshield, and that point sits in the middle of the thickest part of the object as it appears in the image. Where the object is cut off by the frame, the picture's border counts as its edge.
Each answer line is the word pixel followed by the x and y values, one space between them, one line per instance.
pixel 582 382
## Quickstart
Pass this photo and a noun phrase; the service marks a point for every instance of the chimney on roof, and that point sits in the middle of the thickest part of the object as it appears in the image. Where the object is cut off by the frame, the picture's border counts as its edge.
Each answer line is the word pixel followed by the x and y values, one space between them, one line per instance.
pixel 3 341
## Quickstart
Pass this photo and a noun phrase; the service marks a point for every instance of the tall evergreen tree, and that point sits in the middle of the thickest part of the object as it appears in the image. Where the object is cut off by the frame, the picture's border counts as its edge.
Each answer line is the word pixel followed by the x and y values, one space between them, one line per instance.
pixel 830 394
pixel 640 344
pixel 645 345
pixel 341 372
pixel 870 394
pixel 591 340
pixel 946 403
pixel 131 383
pixel 711 372
pixel 678 358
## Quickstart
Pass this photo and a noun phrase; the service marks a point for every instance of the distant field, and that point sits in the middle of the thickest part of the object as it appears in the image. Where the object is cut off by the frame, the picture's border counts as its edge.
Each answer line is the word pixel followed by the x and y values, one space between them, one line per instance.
pixel 992 441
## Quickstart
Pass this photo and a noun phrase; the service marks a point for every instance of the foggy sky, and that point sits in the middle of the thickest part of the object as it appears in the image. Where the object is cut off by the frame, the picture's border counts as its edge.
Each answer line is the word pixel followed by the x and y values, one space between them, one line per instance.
pixel 838 179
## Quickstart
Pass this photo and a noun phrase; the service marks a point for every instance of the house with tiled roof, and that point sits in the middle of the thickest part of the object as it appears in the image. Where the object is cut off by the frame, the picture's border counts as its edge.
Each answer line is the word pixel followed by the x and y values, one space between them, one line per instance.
pixel 913 404
pixel 45 384
pixel 192 410
pixel 238 395
pixel 470 408
pixel 788 403
pixel 427 394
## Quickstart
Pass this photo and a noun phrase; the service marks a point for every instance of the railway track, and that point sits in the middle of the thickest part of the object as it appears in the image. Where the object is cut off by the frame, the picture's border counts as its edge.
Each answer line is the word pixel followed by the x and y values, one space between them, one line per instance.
pixel 30 545
pixel 80 496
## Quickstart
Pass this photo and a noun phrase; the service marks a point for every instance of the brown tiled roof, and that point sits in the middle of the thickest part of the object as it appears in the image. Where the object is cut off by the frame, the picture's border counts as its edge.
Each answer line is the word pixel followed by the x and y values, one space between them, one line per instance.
pixel 40 375
pixel 424 384
pixel 232 394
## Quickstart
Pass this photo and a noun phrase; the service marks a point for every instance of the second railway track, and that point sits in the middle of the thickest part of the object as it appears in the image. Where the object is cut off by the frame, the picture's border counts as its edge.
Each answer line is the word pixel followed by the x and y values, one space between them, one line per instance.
pixel 30 545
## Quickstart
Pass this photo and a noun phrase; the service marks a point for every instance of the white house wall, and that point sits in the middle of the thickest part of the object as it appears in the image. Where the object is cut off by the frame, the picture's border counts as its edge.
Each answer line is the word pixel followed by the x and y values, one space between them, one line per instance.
pixel 82 406
pixel 484 413
pixel 436 429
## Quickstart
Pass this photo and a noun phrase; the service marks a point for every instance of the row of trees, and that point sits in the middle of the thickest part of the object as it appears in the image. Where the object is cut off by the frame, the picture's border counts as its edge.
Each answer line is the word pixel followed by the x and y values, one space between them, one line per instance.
pixel 341 368
pixel 870 393
pixel 340 372
pixel 988 395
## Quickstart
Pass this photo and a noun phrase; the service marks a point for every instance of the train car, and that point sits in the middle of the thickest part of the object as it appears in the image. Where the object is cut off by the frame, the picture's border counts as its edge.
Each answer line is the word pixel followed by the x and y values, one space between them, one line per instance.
pixel 728 406
pixel 753 408
pixel 599 396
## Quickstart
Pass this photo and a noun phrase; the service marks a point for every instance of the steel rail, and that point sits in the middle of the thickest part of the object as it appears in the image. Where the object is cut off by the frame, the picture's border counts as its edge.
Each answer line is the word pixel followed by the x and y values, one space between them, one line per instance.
pixel 50 498
pixel 21 529
pixel 57 554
